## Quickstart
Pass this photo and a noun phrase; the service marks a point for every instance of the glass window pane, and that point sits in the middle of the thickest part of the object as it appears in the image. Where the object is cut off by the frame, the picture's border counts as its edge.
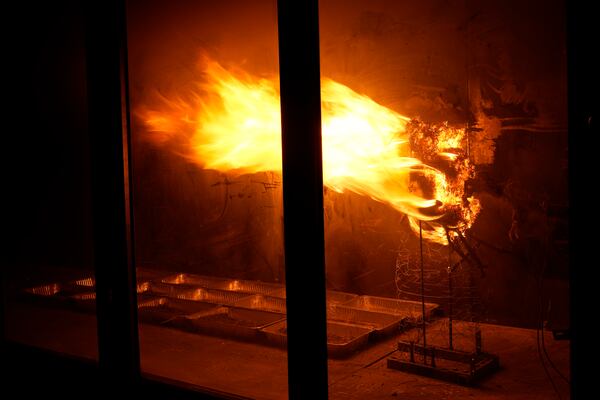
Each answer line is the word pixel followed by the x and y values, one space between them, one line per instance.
pixel 48 269
pixel 445 171
pixel 207 194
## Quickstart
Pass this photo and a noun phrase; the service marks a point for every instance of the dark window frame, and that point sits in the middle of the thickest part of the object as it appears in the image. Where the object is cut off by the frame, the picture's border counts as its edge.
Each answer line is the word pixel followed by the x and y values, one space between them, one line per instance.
pixel 117 335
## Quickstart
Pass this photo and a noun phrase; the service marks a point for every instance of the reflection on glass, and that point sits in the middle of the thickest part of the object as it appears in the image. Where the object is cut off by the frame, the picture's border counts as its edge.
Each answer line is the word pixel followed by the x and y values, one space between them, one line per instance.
pixel 47 272
pixel 207 194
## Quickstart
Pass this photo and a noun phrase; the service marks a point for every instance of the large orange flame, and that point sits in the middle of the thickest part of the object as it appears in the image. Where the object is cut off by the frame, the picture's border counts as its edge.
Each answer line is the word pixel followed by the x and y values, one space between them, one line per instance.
pixel 233 125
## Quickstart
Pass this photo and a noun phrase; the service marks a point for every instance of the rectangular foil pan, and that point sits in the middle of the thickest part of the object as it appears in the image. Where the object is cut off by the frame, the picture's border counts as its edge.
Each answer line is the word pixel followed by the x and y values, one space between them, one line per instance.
pixel 80 292
pixel 263 303
pixel 90 282
pixel 163 310
pixel 237 323
pixel 333 296
pixel 83 301
pixel 342 339
pixel 68 295
pixel 232 285
pixel 214 296
pixel 381 323
pixel 411 310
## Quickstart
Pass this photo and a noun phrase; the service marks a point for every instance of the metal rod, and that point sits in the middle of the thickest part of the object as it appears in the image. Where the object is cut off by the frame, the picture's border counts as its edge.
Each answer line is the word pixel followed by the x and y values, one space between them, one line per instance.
pixel 450 297
pixel 304 243
pixel 422 293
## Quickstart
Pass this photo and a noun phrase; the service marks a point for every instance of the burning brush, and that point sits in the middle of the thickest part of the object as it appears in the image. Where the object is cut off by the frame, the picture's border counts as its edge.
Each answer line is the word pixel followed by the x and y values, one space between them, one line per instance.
pixel 231 123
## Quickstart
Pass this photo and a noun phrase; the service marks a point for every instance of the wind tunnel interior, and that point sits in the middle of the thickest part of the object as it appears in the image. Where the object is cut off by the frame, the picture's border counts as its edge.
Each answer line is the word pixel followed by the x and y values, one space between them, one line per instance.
pixel 445 170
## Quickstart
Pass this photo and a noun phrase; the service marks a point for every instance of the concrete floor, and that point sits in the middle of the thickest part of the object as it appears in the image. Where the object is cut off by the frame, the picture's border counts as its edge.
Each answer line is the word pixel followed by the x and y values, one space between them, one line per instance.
pixel 261 372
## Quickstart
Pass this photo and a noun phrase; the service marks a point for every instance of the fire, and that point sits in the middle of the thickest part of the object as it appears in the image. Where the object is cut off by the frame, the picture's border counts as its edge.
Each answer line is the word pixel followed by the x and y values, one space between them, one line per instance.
pixel 232 124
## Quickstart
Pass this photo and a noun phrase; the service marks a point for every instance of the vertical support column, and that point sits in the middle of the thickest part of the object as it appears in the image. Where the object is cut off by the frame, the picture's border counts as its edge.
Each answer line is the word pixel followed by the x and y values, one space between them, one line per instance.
pixel 2 313
pixel 582 69
pixel 106 57
pixel 298 26
pixel 450 294
pixel 423 294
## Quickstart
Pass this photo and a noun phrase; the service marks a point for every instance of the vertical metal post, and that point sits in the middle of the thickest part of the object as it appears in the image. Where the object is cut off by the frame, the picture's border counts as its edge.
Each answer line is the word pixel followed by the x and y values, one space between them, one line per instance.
pixel 298 26
pixel 423 295
pixel 106 58
pixel 450 346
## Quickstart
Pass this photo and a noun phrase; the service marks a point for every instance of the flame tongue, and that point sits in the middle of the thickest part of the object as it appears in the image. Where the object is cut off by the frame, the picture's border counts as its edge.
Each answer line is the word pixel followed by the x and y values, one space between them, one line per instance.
pixel 234 125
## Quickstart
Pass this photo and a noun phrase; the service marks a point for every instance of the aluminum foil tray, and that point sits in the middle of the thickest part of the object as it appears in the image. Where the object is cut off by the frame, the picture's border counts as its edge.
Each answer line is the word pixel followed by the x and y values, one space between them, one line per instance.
pixel 196 280
pixel 233 285
pixel 333 296
pixel 408 309
pixel 342 339
pixel 214 296
pixel 84 301
pixel 57 290
pixel 51 290
pixel 232 322
pixel 381 323
pixel 263 303
pixel 90 282
pixel 278 293
pixel 163 310
pixel 69 295
pixel 161 289
pixel 253 287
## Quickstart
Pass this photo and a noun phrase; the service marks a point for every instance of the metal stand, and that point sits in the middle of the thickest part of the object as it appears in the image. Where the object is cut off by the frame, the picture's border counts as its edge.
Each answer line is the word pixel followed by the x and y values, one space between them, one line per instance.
pixel 464 368
pixel 467 368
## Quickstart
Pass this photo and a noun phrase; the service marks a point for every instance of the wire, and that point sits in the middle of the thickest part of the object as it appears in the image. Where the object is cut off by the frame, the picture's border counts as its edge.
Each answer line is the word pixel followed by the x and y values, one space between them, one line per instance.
pixel 550 360
pixel 539 327
pixel 541 357
pixel 541 321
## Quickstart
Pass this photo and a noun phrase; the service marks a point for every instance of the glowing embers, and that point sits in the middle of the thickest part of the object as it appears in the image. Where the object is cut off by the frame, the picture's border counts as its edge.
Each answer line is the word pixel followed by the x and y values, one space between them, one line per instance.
pixel 231 123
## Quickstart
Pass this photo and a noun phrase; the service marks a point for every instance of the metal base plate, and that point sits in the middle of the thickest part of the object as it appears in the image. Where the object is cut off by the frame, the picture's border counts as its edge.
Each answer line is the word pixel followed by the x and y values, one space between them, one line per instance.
pixel 455 366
